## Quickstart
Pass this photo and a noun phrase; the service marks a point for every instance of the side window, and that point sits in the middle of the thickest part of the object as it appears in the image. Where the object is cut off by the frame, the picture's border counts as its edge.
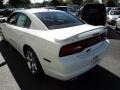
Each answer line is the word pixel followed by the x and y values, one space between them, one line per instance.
pixel 23 21
pixel 13 19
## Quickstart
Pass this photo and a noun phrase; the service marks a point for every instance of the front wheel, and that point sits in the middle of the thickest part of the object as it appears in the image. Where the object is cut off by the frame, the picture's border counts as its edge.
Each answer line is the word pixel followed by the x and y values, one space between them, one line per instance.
pixel 33 62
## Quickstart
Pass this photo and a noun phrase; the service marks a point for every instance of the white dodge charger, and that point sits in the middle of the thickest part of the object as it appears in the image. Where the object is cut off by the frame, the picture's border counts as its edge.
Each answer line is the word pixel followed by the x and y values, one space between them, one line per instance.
pixel 55 43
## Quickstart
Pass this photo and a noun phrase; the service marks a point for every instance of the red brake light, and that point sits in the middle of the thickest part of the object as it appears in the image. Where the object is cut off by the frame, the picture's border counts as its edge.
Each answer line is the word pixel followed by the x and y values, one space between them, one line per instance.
pixel 70 49
pixel 81 45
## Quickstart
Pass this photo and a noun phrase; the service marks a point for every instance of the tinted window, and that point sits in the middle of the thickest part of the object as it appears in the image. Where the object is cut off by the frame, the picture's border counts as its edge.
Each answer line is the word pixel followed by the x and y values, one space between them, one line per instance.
pixel 55 20
pixel 23 21
pixel 115 13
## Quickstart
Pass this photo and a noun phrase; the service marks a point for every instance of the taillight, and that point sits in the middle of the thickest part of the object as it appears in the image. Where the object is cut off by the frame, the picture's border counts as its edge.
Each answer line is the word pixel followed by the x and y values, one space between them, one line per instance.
pixel 70 49
pixel 81 45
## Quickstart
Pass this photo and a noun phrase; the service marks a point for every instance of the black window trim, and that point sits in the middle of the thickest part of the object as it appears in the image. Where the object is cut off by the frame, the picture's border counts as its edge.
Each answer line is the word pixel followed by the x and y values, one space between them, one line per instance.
pixel 13 14
pixel 19 13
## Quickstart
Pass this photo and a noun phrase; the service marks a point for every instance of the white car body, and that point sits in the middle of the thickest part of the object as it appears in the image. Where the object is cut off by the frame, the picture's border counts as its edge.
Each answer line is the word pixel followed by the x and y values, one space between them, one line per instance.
pixel 117 25
pixel 47 45
pixel 111 17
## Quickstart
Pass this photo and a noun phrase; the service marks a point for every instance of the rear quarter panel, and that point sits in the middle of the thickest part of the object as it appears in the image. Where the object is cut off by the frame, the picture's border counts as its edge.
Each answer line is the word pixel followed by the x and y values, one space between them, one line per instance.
pixel 44 49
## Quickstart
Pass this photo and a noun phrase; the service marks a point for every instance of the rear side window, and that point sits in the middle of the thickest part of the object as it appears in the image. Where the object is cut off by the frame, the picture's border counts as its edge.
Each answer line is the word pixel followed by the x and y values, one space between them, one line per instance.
pixel 56 20
pixel 23 21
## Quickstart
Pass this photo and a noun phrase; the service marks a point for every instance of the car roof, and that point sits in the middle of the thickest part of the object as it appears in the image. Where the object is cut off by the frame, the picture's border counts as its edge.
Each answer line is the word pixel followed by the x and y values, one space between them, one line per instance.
pixel 35 10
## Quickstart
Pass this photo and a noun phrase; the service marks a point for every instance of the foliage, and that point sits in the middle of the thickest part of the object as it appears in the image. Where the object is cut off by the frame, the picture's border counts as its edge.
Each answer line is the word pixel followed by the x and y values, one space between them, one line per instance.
pixel 110 3
pixel 19 3
pixel 58 2
pixel 88 1
pixel 55 3
pixel 45 3
pixel 1 4
pixel 27 3
pixel 79 2
pixel 68 1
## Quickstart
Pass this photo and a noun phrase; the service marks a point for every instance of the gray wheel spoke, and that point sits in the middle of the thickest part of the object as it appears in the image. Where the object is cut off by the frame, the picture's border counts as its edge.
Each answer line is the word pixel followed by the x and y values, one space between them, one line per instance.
pixel 31 62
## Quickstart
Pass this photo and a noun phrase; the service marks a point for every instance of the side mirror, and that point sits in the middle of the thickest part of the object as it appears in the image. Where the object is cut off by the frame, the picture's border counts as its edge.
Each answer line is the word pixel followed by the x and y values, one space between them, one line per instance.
pixel 2 20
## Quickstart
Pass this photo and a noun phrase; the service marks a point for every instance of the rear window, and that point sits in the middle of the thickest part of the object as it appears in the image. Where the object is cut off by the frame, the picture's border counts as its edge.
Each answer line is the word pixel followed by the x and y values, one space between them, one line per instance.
pixel 56 20
pixel 115 13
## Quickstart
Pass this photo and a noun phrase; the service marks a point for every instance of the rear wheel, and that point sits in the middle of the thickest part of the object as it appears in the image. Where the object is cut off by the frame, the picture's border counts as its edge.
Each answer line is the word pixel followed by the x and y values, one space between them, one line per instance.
pixel 33 63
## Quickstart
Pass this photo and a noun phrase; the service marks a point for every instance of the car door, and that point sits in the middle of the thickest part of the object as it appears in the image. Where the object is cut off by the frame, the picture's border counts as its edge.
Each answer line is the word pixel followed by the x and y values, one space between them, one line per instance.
pixel 23 24
pixel 16 28
pixel 9 28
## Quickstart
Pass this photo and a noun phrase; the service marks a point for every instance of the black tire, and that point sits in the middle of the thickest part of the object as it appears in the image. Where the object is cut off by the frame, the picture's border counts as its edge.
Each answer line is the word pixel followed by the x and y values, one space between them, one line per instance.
pixel 33 63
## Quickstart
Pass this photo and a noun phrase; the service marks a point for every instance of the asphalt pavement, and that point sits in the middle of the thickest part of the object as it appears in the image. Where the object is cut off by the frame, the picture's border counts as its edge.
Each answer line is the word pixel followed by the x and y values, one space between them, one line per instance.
pixel 14 74
pixel 7 81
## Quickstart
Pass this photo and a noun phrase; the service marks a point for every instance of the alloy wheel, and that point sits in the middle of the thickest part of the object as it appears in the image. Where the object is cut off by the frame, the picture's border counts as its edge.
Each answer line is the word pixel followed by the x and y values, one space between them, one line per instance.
pixel 31 62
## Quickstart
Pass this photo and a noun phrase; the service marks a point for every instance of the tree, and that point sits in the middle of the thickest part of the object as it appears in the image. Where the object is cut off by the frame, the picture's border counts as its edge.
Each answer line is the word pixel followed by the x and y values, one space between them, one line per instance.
pixel 68 1
pixel 19 3
pixel 56 2
pixel 110 3
pixel 88 1
pixel 79 2
pixel 1 4
pixel 45 3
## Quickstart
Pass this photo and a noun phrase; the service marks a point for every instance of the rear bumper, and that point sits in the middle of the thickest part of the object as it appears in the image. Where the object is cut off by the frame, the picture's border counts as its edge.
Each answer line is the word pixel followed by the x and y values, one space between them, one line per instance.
pixel 77 64
pixel 69 76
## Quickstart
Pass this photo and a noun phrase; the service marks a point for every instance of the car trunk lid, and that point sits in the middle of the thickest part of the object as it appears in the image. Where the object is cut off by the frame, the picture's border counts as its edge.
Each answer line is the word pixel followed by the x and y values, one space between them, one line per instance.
pixel 76 33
